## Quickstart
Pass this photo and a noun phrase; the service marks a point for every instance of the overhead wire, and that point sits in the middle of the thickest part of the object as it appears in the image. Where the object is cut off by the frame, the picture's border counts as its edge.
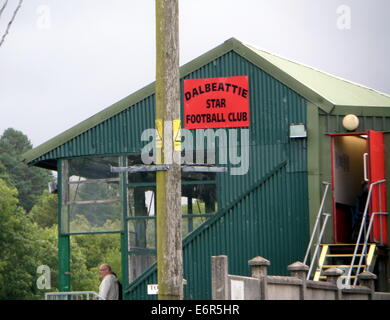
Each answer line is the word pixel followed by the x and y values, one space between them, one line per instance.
pixel 3 7
pixel 11 21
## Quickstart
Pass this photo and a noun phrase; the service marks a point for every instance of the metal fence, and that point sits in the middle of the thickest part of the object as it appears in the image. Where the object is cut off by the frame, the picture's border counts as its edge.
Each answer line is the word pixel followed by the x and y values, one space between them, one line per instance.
pixel 74 295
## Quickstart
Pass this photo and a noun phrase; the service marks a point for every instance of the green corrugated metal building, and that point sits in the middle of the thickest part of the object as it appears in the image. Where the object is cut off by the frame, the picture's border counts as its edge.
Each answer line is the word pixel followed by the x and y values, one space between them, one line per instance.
pixel 269 211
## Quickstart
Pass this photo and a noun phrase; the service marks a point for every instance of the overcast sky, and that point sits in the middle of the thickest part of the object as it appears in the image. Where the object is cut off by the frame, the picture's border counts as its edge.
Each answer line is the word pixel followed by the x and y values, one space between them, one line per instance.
pixel 65 60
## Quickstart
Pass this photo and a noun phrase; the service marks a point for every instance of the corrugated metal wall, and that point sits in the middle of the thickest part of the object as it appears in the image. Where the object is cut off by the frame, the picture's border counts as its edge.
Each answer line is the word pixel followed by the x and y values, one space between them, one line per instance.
pixel 117 135
pixel 333 123
pixel 264 212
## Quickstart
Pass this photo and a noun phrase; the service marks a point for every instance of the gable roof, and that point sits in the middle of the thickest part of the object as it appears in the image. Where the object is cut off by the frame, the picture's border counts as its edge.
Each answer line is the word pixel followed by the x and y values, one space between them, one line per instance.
pixel 324 90
pixel 337 91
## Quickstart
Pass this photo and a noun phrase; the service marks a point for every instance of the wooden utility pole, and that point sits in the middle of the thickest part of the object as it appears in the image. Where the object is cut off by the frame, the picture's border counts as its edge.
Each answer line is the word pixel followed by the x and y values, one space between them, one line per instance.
pixel 168 183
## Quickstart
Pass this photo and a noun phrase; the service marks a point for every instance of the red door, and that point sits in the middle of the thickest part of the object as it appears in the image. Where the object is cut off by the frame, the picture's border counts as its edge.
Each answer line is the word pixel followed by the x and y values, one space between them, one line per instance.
pixel 375 171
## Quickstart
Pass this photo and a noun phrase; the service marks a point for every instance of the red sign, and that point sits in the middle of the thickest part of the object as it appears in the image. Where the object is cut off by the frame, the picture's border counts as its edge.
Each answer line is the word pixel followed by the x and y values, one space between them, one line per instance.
pixel 216 103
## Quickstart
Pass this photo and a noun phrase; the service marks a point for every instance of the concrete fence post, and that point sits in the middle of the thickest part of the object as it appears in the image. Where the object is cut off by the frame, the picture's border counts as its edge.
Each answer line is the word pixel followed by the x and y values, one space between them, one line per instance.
pixel 332 275
pixel 367 279
pixel 219 277
pixel 259 266
pixel 299 270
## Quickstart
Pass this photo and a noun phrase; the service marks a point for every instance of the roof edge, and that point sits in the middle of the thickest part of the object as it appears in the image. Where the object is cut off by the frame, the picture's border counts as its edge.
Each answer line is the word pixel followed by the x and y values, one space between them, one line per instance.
pixel 124 103
pixel 232 44
pixel 87 124
pixel 323 72
pixel 373 111
pixel 248 53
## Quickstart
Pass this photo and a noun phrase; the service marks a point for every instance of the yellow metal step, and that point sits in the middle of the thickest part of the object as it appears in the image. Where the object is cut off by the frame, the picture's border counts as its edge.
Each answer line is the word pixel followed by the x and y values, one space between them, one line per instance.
pixel 352 277
pixel 342 255
pixel 321 261
pixel 341 244
pixel 369 256
pixel 338 266
pixel 371 252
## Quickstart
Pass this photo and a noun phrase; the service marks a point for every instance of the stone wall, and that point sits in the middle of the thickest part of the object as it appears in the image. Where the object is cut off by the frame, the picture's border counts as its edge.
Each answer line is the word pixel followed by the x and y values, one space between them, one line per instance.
pixel 261 286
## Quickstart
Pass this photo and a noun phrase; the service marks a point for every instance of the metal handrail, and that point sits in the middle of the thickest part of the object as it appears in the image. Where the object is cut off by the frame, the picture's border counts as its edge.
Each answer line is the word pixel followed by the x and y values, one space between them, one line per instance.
pixel 327 184
pixel 367 235
pixel 327 215
pixel 373 214
pixel 66 295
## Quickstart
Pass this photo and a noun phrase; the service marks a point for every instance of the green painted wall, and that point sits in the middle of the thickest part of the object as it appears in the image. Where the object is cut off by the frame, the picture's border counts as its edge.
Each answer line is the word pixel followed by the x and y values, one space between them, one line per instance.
pixel 319 160
pixel 264 212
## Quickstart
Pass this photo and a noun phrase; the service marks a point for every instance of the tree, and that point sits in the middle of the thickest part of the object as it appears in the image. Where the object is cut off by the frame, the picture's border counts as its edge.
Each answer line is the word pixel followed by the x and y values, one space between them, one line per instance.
pixel 90 251
pixel 82 277
pixel 46 253
pixel 4 175
pixel 19 252
pixel 29 241
pixel 44 212
pixel 30 181
pixel 96 214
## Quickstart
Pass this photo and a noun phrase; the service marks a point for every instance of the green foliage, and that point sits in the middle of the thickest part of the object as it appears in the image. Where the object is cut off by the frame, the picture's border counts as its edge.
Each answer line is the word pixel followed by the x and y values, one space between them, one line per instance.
pixel 82 277
pixel 30 181
pixel 197 208
pixel 28 241
pixel 90 251
pixel 79 223
pixel 23 248
pixel 12 233
pixel 25 245
pixel 190 224
pixel 44 211
pixel 4 175
pixel 97 215
pixel 47 254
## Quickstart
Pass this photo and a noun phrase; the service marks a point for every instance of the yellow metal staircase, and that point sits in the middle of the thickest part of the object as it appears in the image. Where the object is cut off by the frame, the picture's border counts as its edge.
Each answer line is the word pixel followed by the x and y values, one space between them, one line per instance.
pixel 340 256
pixel 352 258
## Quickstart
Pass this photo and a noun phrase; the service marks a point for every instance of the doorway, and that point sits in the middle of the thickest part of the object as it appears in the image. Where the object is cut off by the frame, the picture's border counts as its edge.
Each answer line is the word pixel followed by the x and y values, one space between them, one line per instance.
pixel 348 183
pixel 357 162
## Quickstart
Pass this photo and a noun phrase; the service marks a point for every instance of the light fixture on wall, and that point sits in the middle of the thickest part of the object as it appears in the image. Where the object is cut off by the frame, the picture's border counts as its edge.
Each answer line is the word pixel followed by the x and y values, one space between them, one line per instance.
pixel 298 131
pixel 350 122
